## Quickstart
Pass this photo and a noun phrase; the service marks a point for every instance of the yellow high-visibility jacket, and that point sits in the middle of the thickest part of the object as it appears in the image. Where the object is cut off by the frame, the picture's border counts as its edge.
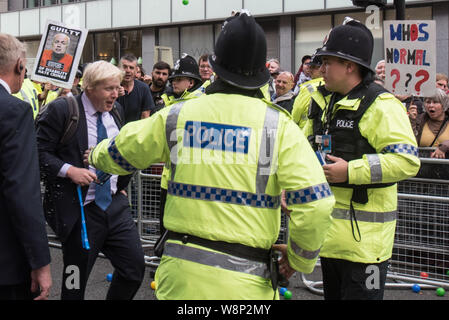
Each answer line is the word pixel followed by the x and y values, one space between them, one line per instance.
pixel 230 157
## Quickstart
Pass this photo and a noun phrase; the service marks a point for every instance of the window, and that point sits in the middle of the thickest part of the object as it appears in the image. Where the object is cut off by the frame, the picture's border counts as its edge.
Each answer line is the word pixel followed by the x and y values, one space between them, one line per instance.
pixel 107 46
pixel 197 46
pixel 310 33
pixel 131 42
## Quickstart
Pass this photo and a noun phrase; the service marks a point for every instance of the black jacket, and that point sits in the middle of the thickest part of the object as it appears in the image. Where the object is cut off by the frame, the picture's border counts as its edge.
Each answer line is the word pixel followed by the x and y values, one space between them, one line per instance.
pixel 23 237
pixel 61 202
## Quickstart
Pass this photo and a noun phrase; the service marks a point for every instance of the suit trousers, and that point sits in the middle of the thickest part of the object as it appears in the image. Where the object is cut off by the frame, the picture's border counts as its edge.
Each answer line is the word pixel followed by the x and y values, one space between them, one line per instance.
pixel 114 233
pixel 17 292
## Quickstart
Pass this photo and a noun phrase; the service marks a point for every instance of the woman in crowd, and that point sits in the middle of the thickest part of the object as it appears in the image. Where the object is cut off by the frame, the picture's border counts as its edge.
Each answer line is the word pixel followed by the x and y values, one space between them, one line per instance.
pixel 431 127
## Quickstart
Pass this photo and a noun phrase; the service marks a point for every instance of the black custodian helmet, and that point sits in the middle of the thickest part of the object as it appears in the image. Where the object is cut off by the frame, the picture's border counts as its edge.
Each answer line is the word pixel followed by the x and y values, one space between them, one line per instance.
pixel 241 53
pixel 351 41
pixel 186 67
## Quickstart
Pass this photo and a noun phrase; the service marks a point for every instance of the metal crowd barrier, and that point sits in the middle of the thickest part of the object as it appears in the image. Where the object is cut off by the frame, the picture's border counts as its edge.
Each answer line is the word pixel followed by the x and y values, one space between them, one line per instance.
pixel 421 246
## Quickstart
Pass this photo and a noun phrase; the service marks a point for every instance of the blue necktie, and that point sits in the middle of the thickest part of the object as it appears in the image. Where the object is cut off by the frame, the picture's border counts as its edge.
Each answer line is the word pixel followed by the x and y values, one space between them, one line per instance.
pixel 103 196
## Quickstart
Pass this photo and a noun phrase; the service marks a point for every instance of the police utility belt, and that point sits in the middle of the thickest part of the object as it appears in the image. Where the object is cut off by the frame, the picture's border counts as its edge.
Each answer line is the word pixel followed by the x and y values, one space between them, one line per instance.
pixel 238 250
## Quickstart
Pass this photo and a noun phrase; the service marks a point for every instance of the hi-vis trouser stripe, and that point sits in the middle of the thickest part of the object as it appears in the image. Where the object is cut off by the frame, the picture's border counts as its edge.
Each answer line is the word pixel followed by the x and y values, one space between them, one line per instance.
pixel 258 199
pixel 216 259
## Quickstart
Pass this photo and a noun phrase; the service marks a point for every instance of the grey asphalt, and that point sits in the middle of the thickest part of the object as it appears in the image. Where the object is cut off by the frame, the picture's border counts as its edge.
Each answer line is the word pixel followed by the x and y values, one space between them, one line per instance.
pixel 98 285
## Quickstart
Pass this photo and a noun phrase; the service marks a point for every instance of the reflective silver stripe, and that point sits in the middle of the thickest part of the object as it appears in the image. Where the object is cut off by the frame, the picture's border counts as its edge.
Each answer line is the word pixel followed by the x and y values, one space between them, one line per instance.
pixel 308 194
pixel 310 255
pixel 215 259
pixel 170 132
pixel 310 88
pixel 266 149
pixel 365 216
pixel 25 97
pixel 206 193
pixel 375 167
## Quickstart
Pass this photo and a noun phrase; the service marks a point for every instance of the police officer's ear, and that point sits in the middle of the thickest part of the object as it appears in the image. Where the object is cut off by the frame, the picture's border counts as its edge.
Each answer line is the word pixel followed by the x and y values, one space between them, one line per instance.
pixel 192 83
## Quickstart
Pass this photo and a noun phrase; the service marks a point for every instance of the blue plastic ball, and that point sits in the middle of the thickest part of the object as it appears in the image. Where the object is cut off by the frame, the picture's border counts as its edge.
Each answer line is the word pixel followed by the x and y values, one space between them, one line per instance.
pixel 416 288
pixel 282 291
pixel 109 277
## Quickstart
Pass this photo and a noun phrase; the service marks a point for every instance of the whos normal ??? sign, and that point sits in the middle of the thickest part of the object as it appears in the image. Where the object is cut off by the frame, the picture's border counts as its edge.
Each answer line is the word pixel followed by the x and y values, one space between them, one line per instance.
pixel 410 57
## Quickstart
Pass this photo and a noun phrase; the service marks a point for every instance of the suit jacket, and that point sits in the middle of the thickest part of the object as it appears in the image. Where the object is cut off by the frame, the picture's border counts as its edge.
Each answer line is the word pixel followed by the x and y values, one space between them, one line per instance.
pixel 61 202
pixel 23 236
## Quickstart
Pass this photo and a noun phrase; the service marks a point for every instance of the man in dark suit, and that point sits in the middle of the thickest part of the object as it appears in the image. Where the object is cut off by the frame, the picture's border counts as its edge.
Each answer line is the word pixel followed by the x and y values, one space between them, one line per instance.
pixel 24 253
pixel 109 224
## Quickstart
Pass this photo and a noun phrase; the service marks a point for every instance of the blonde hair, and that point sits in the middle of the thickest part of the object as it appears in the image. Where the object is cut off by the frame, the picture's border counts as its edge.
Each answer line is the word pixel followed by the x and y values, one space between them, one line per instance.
pixel 99 71
pixel 11 50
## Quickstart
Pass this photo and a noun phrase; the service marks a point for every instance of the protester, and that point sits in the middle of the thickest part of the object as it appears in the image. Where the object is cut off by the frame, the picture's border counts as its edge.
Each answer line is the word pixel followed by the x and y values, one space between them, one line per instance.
pixel 431 128
pixel 284 95
pixel 161 71
pixel 135 96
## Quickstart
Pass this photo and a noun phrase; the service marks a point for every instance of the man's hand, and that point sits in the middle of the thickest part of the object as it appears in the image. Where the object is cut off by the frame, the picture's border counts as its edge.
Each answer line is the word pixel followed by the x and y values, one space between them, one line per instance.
pixel 121 91
pixel 284 266
pixel 81 176
pixel 41 280
pixel 86 156
pixel 336 172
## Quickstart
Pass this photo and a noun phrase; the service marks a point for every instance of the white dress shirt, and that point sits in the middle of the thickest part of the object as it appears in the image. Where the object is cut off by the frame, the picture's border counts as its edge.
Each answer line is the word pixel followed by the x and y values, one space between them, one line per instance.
pixel 111 129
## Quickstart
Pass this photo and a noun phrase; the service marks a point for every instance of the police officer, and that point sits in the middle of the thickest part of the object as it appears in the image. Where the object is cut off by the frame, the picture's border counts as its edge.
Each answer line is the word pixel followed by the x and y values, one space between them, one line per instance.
pixel 231 153
pixel 370 146
pixel 185 80
pixel 306 92
pixel 28 93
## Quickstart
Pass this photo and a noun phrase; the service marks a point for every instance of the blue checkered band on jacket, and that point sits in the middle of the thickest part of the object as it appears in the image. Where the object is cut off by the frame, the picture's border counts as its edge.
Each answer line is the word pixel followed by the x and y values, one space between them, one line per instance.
pixel 402 148
pixel 308 195
pixel 117 157
pixel 223 195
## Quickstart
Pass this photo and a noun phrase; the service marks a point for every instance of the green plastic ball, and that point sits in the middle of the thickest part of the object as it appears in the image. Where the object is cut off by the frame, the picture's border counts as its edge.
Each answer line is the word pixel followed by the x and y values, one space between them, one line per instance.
pixel 288 295
pixel 185 2
pixel 440 292
pixel 447 273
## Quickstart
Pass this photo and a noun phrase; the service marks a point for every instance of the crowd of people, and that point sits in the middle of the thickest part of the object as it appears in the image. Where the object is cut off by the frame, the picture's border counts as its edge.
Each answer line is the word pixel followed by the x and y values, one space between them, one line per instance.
pixel 327 169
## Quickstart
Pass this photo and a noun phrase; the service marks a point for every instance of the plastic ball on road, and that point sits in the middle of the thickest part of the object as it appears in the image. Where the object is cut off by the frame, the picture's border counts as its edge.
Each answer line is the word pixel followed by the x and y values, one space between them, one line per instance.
pixel 185 2
pixel 424 275
pixel 447 273
pixel 153 285
pixel 288 295
pixel 282 291
pixel 416 288
pixel 109 277
pixel 440 292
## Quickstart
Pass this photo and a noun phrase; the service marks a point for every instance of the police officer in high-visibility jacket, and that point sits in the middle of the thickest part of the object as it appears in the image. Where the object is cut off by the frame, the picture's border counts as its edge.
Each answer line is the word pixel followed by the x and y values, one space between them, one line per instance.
pixel 185 81
pixel 306 93
pixel 231 154
pixel 370 146
pixel 28 93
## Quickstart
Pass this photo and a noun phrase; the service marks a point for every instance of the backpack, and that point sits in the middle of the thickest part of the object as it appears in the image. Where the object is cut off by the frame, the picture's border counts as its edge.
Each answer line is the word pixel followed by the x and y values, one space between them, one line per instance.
pixel 71 123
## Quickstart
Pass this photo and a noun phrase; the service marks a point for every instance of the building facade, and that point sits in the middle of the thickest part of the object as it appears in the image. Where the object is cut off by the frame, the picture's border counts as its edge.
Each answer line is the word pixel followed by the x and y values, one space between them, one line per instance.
pixel 164 29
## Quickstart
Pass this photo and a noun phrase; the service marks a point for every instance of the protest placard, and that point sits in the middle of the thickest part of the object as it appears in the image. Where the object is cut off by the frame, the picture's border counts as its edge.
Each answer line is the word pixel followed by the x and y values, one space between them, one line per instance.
pixel 59 54
pixel 410 57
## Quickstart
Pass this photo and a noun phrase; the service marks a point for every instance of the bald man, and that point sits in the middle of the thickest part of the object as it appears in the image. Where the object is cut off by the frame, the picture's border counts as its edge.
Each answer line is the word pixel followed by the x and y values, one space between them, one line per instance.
pixel 58 58
pixel 284 95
